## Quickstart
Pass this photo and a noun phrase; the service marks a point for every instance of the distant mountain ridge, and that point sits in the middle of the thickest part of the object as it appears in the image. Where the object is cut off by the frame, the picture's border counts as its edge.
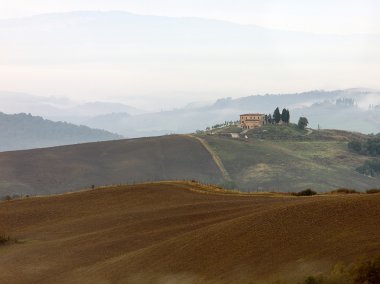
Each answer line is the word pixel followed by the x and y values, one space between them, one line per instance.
pixel 322 108
pixel 61 108
pixel 166 56
pixel 24 131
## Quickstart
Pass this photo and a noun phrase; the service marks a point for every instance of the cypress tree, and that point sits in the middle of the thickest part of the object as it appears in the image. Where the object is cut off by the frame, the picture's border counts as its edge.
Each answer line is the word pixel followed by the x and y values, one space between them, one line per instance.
pixel 284 116
pixel 277 115
pixel 287 116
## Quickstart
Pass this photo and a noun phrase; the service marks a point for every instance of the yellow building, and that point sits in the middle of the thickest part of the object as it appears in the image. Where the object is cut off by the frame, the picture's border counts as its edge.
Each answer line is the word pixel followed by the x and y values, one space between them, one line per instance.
pixel 252 120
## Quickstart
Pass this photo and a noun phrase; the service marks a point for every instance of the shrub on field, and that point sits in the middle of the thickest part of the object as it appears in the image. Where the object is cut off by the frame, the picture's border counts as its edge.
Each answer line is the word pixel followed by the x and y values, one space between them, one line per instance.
pixel 371 191
pixel 307 192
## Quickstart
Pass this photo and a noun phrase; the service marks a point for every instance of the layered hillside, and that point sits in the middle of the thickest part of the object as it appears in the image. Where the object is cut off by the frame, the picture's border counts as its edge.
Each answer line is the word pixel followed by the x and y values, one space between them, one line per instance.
pixel 284 158
pixel 271 159
pixel 70 168
pixel 24 131
pixel 183 233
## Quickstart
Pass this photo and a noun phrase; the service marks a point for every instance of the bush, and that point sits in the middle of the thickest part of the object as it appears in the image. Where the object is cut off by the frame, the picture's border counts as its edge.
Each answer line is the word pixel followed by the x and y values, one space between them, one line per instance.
pixel 344 191
pixel 7 198
pixel 370 168
pixel 4 239
pixel 373 191
pixel 307 192
pixel 312 280
pixel 11 197
pixel 371 147
pixel 367 272
pixel 355 146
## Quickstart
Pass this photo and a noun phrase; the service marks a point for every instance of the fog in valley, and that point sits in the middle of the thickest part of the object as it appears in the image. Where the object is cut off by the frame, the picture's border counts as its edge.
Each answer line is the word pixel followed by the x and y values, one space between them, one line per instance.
pixel 140 75
pixel 84 72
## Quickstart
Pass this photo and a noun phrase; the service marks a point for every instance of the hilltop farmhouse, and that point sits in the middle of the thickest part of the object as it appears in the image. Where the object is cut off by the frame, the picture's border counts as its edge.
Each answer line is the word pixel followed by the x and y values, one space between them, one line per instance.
pixel 252 120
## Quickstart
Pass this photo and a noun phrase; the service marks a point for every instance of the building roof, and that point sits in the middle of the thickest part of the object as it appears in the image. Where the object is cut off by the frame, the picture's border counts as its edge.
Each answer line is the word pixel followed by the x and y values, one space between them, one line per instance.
pixel 252 114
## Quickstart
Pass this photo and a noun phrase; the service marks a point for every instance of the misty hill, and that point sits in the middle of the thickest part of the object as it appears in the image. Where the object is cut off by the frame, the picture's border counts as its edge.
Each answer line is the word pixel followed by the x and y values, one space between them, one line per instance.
pixel 342 109
pixel 74 167
pixel 24 131
pixel 133 28
pixel 150 53
pixel 351 110
pixel 61 108
pixel 205 58
pixel 176 232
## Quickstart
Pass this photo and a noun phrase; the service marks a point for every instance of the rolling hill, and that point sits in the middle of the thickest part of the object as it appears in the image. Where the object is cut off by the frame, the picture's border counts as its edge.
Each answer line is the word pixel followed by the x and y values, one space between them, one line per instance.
pixel 24 131
pixel 74 167
pixel 176 232
pixel 281 158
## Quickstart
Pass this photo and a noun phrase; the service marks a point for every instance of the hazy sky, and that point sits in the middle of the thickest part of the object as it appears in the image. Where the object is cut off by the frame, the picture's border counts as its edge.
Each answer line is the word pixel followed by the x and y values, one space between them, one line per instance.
pixel 325 16
pixel 183 75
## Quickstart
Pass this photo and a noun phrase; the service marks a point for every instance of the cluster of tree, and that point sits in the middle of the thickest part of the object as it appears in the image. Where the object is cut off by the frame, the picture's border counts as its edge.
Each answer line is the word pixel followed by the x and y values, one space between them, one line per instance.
pixel 370 168
pixel 345 102
pixel 220 125
pixel 306 192
pixel 370 147
pixel 278 116
pixel 13 196
pixel 374 107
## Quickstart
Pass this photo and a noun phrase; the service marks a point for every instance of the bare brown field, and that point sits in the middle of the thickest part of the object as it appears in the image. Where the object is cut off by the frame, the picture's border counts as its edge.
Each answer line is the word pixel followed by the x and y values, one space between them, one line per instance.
pixel 172 232
pixel 70 168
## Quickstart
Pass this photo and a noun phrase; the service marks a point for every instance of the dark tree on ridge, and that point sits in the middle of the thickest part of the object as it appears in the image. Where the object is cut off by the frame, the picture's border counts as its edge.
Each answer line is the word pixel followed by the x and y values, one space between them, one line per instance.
pixel 277 115
pixel 302 123
pixel 285 116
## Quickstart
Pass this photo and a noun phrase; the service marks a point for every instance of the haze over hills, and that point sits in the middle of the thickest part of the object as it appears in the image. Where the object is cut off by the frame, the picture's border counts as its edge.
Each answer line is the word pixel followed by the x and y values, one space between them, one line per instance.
pixel 164 61
pixel 123 158
pixel 60 108
pixel 158 63
pixel 24 131
pixel 351 110
pixel 323 109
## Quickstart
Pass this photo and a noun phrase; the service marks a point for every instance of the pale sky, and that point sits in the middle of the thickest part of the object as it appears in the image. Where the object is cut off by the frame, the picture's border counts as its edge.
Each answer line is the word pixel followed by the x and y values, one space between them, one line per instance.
pixel 323 16
pixel 206 73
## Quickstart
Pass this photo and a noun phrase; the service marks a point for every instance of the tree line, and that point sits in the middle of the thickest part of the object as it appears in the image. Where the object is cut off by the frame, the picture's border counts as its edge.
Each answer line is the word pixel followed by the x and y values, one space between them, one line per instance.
pixel 278 116
pixel 284 117
pixel 371 147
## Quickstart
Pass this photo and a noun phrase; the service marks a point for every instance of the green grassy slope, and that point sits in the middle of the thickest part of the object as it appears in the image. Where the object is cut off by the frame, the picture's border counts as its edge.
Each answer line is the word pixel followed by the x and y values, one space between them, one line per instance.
pixel 320 161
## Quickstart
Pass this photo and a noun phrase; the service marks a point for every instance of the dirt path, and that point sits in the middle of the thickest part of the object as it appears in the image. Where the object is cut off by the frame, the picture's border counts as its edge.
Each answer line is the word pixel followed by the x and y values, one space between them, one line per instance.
pixel 244 132
pixel 309 131
pixel 216 158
